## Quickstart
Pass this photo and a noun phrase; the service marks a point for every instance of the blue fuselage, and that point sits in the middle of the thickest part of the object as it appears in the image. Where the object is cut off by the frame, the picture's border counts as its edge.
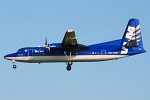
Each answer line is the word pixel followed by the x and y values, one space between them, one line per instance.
pixel 97 52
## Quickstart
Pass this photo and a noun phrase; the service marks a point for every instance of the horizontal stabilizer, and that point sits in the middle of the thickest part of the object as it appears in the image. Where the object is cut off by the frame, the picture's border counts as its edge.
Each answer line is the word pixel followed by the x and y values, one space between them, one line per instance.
pixel 131 43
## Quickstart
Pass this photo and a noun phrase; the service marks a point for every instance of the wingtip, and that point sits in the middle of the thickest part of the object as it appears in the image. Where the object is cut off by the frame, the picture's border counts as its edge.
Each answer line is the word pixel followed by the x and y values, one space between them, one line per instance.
pixel 69 30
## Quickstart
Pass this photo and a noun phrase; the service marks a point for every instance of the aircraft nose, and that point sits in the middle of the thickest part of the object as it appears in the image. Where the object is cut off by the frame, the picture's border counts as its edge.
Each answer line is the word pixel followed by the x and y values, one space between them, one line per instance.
pixel 6 56
pixel 10 56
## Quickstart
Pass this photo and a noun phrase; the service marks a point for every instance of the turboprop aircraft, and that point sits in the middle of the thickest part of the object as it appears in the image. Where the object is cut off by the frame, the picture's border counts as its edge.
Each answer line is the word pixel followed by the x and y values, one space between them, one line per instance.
pixel 70 50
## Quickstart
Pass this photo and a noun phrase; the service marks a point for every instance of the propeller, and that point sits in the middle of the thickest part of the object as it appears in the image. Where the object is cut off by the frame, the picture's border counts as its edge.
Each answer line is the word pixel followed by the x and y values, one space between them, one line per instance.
pixel 46 46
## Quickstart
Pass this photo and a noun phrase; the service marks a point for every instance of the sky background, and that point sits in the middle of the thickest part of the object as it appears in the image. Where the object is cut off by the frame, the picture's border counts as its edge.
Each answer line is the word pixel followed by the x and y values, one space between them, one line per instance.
pixel 27 23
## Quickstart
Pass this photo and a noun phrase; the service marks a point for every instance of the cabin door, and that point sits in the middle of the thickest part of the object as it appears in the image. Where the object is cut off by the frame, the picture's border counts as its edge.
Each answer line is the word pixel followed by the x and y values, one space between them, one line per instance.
pixel 30 52
pixel 103 52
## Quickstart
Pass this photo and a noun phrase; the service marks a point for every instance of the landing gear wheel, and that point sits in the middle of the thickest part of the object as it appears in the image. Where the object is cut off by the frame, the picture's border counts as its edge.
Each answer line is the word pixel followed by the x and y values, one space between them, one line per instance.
pixel 68 68
pixel 14 66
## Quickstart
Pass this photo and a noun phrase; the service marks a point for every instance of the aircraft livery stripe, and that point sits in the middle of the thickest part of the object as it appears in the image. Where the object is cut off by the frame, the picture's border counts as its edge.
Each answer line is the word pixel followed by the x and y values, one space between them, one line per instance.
pixel 136 33
pixel 138 40
pixel 136 37
pixel 137 27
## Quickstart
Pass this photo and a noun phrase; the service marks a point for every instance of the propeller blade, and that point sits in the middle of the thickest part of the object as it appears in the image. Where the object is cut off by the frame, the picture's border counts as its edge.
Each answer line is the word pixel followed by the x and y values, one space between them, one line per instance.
pixel 46 46
pixel 46 41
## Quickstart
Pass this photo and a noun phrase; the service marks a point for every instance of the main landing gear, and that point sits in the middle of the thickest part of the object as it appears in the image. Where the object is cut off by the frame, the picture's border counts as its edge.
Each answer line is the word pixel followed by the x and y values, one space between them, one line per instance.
pixel 14 66
pixel 69 61
pixel 69 65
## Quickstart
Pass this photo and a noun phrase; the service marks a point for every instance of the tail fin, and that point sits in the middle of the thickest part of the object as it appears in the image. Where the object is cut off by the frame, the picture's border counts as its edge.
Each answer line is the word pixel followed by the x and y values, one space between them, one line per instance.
pixel 132 36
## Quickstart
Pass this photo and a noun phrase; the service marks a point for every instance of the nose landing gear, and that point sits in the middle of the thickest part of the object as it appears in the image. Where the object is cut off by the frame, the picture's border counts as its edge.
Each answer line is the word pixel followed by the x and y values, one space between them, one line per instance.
pixel 14 66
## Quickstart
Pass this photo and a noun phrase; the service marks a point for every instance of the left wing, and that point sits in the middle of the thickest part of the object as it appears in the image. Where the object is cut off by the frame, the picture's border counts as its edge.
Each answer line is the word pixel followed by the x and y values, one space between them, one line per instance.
pixel 70 44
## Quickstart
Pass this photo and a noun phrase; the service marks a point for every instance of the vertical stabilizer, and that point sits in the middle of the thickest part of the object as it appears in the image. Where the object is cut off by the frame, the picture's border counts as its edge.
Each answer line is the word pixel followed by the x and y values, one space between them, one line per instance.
pixel 132 36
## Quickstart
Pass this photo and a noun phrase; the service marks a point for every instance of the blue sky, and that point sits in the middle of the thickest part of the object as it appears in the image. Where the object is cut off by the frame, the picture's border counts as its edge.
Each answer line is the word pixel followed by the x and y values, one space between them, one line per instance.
pixel 29 22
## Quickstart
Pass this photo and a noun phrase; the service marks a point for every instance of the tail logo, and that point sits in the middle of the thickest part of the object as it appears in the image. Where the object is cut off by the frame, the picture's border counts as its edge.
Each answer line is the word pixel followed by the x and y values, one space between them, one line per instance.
pixel 125 50
pixel 132 34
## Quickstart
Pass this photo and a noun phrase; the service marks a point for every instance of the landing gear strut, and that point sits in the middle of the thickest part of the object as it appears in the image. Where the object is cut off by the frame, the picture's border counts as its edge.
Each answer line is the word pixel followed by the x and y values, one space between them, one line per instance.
pixel 14 66
pixel 69 61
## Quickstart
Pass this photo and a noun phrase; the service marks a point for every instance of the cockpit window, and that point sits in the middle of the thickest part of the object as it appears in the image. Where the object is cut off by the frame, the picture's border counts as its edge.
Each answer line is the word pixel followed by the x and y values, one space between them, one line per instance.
pixel 20 51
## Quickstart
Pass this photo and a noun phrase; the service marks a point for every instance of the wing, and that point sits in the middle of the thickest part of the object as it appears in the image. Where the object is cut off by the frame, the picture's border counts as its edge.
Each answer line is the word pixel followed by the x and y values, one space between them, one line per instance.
pixel 70 44
pixel 69 39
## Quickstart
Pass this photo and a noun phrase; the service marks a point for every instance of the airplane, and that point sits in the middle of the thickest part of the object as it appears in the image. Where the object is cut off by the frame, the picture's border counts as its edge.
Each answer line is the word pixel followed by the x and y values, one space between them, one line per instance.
pixel 69 50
